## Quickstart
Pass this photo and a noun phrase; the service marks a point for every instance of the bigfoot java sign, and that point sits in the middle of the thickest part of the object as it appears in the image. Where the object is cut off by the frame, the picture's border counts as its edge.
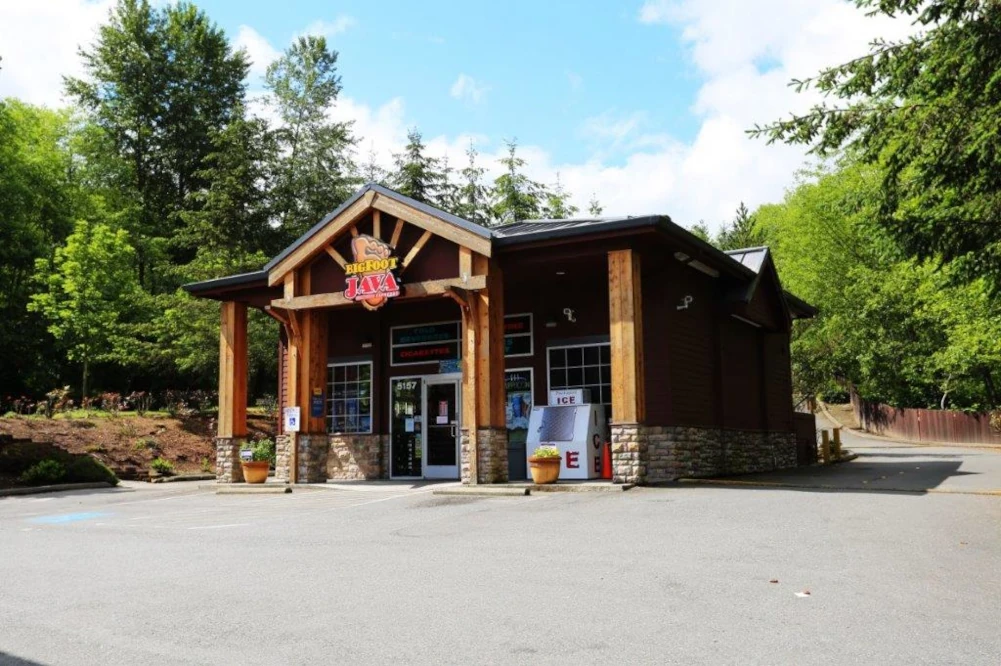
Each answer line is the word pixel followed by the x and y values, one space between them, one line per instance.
pixel 371 279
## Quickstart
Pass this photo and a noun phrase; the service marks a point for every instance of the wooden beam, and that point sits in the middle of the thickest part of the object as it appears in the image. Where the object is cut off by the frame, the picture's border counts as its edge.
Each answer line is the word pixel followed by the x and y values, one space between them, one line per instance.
pixel 354 231
pixel 336 256
pixel 233 370
pixel 290 284
pixel 440 227
pixel 465 262
pixel 416 249
pixel 397 230
pixel 413 290
pixel 313 370
pixel 626 333
pixel 377 224
pixel 314 245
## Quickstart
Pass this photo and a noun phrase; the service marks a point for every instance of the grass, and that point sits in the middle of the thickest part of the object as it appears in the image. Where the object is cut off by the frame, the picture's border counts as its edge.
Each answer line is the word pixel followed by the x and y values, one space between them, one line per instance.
pixel 98 414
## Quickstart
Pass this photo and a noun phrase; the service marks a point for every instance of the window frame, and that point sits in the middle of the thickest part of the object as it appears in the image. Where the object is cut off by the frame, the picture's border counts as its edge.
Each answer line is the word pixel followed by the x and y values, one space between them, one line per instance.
pixel 329 401
pixel 582 346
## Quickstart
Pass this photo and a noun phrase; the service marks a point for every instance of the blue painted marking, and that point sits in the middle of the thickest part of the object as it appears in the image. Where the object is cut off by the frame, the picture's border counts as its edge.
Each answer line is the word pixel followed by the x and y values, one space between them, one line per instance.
pixel 68 518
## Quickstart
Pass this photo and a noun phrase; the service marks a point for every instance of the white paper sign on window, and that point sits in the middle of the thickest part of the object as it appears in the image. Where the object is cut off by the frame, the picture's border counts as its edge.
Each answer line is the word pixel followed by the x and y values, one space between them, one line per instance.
pixel 290 419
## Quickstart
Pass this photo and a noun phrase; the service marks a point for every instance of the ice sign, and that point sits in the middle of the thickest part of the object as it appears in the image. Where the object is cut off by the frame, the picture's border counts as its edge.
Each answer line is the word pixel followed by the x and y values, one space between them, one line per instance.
pixel 290 418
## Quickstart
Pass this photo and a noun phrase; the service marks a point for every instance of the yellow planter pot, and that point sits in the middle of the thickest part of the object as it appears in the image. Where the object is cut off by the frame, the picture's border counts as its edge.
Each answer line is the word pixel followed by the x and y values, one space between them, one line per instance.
pixel 544 470
pixel 256 472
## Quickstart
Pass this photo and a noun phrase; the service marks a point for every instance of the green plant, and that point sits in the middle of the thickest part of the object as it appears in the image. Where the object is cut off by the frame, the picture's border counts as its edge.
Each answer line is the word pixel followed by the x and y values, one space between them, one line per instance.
pixel 262 450
pixel 145 444
pixel 127 429
pixel 85 469
pixel 95 448
pixel 206 465
pixel 43 472
pixel 161 465
pixel 546 452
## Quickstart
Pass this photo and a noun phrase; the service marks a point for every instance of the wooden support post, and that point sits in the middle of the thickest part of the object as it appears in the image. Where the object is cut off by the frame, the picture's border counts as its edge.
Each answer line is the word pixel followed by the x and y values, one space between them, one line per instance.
pixel 490 342
pixel 825 446
pixel 313 370
pixel 377 224
pixel 470 351
pixel 626 334
pixel 292 370
pixel 233 370
pixel 837 444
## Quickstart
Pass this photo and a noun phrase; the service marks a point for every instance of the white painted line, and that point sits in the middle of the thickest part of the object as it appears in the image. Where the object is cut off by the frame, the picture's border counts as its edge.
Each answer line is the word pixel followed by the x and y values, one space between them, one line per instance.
pixel 216 527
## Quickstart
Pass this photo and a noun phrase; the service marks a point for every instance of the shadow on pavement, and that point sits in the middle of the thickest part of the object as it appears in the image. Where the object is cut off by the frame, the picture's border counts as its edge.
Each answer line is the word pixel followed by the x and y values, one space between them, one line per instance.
pixel 861 475
pixel 11 660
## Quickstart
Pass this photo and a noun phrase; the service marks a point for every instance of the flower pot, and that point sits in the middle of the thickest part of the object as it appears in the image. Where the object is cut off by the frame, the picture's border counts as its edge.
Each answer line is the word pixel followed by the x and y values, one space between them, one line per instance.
pixel 545 470
pixel 256 472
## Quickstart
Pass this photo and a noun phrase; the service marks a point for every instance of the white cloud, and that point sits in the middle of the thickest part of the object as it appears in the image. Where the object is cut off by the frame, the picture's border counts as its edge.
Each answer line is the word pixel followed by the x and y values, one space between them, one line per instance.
pixel 329 29
pixel 743 53
pixel 259 50
pixel 468 89
pixel 39 42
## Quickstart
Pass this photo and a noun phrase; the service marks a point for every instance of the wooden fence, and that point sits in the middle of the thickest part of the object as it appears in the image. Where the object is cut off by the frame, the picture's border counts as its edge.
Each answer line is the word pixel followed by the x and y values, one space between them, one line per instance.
pixel 925 425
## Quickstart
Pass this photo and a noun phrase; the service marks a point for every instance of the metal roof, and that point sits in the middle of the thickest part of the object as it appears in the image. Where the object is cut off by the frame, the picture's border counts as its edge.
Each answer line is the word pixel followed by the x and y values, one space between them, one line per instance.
pixel 752 257
pixel 224 282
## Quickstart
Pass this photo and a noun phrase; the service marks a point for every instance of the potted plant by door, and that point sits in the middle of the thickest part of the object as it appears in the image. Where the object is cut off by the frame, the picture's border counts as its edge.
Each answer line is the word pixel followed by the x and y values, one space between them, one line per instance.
pixel 262 456
pixel 545 464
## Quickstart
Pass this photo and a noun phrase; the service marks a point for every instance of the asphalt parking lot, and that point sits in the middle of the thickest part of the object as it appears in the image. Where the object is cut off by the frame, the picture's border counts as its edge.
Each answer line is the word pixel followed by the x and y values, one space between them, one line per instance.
pixel 175 574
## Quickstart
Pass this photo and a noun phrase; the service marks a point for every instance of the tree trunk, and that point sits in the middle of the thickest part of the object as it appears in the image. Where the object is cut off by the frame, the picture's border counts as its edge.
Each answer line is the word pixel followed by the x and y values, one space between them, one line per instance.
pixel 86 368
pixel 989 385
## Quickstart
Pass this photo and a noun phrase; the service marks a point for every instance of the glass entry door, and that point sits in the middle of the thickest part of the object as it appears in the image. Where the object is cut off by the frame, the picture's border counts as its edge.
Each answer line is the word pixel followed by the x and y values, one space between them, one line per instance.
pixel 406 440
pixel 441 428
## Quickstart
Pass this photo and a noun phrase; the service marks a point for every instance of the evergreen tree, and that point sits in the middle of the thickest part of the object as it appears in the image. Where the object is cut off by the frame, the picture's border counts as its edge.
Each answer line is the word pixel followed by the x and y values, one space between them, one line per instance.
pixel 474 197
pixel 925 110
pixel 701 230
pixel 740 233
pixel 417 175
pixel 557 202
pixel 313 170
pixel 594 208
pixel 371 172
pixel 516 196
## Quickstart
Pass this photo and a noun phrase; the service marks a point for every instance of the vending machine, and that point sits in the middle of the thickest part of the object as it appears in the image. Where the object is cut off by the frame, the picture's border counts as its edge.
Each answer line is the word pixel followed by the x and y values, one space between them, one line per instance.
pixel 573 425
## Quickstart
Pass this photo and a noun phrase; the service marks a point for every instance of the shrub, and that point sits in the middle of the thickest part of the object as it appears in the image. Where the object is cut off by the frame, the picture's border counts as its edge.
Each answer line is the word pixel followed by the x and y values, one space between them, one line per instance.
pixel 111 402
pixel 546 452
pixel 44 472
pixel 269 402
pixel 145 444
pixel 85 469
pixel 261 450
pixel 95 448
pixel 161 465
pixel 127 429
pixel 207 465
pixel 141 401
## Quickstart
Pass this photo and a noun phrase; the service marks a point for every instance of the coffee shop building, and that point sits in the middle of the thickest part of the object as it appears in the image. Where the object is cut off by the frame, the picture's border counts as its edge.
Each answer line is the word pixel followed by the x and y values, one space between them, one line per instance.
pixel 414 344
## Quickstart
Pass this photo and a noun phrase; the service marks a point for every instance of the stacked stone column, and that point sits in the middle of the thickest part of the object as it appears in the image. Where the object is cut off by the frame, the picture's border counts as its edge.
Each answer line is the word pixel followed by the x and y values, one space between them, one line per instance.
pixel 312 457
pixel 491 464
pixel 227 459
pixel 629 453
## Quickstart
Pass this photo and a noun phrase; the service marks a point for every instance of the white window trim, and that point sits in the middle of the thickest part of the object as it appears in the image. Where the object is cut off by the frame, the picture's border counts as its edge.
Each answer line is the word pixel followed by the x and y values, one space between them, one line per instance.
pixel 549 373
pixel 371 398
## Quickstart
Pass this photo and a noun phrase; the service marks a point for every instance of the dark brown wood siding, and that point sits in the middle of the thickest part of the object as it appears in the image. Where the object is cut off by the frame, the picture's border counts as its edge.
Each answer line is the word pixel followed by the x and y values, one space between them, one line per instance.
pixel 740 353
pixel 778 381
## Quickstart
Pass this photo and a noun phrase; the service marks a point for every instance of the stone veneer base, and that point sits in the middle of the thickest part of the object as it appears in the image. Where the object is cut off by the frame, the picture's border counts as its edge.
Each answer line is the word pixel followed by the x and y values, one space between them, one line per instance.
pixel 227 459
pixel 652 454
pixel 492 460
pixel 356 457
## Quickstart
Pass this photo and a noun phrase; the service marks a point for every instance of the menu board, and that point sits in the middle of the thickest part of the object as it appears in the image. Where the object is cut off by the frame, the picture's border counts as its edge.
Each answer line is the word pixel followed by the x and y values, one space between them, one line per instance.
pixel 426 343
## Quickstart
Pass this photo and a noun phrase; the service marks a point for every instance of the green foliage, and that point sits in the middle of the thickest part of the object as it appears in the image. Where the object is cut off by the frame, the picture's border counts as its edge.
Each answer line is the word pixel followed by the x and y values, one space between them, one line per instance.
pixel 516 196
pixel 261 450
pixel 899 330
pixel 207 467
pixel 418 175
pixel 312 166
pixel 594 208
pixel 546 452
pixel 925 110
pixel 162 466
pixel 43 473
pixel 84 469
pixel 89 286
pixel 557 204
pixel 145 444
pixel 739 233
pixel 474 196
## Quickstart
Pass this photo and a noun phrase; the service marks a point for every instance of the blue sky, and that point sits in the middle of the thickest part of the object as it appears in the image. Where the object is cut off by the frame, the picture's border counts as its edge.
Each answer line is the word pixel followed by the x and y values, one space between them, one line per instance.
pixel 543 67
pixel 641 103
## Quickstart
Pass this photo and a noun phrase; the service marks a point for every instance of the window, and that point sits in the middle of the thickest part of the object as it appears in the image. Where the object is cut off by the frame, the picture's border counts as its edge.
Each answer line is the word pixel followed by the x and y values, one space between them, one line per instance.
pixel 583 366
pixel 349 397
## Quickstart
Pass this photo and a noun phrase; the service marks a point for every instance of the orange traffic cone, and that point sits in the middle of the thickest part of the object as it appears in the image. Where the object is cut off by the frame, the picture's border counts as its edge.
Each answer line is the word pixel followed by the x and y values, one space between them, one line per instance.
pixel 606 461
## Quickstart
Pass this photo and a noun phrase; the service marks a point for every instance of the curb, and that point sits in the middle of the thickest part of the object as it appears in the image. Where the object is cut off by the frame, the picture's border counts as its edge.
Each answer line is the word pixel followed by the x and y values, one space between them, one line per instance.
pixel 814 486
pixel 241 489
pixel 483 492
pixel 35 490
pixel 183 477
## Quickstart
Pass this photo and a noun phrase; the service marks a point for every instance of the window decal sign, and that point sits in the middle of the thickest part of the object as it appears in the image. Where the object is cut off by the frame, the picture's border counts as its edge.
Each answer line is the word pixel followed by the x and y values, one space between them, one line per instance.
pixel 371 278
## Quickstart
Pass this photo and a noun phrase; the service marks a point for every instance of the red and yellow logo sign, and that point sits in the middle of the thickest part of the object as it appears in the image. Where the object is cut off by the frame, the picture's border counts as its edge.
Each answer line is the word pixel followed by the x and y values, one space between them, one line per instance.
pixel 370 278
